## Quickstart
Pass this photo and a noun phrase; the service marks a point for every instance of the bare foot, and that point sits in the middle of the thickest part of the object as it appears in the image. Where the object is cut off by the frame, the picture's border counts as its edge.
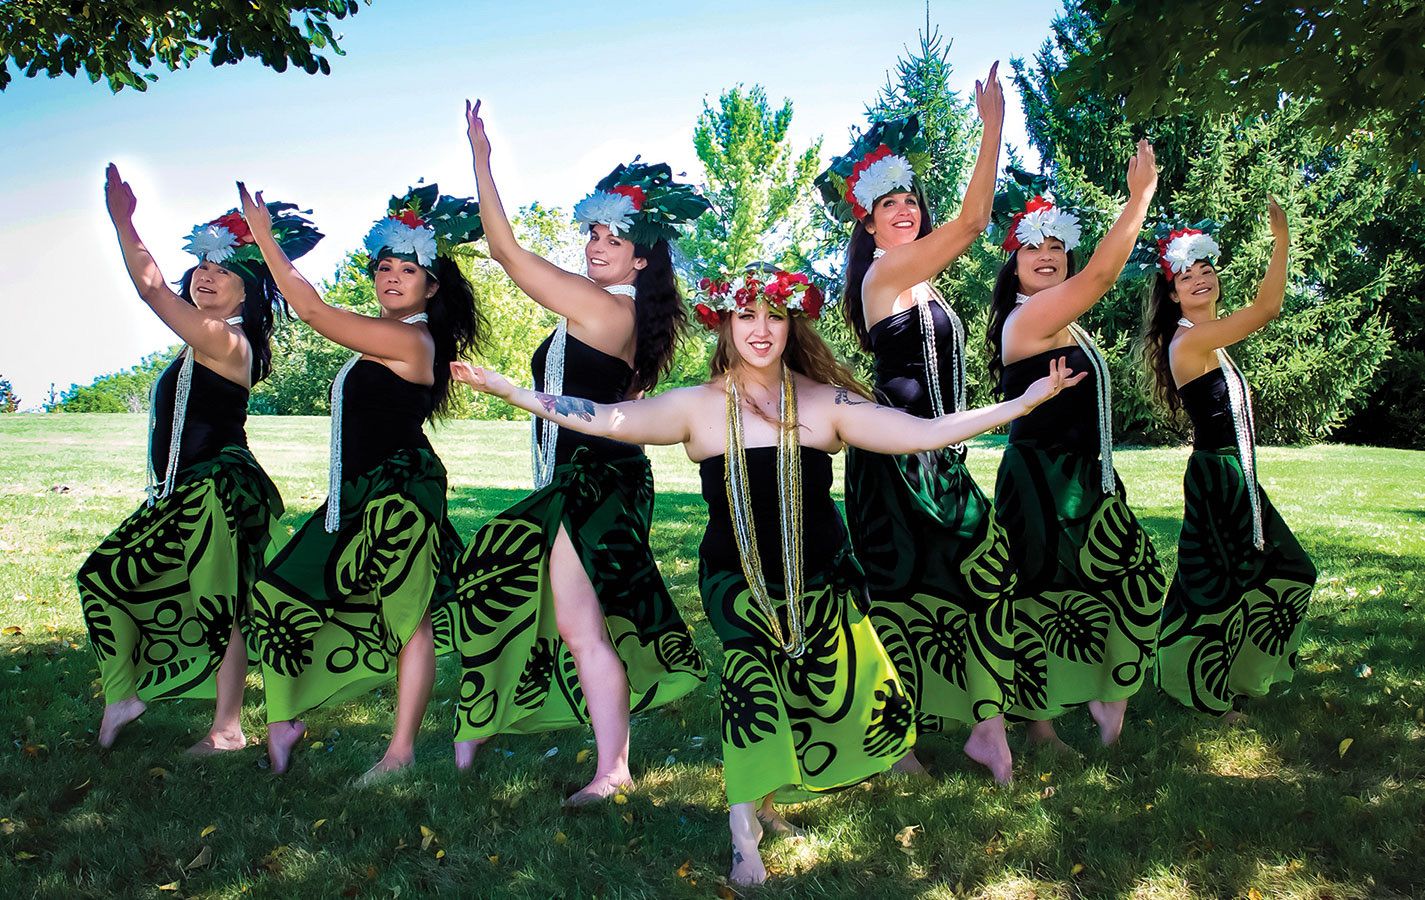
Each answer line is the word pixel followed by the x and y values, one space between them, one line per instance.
pixel 1042 736
pixel 1109 716
pixel 747 868
pixel 1233 718
pixel 281 738
pixel 387 766
pixel 601 788
pixel 219 742
pixel 116 716
pixel 465 753
pixel 776 823
pixel 989 746
pixel 909 765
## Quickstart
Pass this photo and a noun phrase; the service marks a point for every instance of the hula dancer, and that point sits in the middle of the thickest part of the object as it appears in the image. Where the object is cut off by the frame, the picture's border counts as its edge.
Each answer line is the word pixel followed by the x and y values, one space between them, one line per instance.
pixel 1233 619
pixel 562 617
pixel 810 700
pixel 937 564
pixel 165 597
pixel 346 603
pixel 1090 585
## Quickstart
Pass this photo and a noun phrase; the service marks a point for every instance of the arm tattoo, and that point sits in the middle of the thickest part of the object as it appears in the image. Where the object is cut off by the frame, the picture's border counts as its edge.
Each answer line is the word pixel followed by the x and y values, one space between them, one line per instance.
pixel 843 397
pixel 574 407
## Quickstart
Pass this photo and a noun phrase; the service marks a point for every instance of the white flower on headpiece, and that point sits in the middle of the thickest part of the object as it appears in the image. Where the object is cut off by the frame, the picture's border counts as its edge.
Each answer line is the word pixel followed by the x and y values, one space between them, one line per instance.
pixel 884 176
pixel 614 211
pixel 1041 224
pixel 1186 249
pixel 211 243
pixel 398 237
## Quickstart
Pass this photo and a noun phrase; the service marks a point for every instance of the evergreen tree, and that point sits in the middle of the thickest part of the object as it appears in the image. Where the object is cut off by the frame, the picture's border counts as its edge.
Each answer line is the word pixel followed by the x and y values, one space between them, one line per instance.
pixel 9 400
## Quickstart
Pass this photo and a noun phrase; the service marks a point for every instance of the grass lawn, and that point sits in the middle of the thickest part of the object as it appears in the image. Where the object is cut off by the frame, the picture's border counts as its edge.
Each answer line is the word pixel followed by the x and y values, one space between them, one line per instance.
pixel 1282 807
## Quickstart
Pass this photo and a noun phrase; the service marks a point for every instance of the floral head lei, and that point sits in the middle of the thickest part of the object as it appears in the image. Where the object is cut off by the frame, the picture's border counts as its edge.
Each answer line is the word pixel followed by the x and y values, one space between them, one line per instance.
pixel 1174 247
pixel 1026 215
pixel 227 240
pixel 640 202
pixel 788 291
pixel 890 157
pixel 422 225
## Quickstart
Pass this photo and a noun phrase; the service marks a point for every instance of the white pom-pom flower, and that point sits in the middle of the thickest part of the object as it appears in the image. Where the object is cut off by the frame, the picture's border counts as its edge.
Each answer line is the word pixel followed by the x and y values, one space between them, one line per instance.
pixel 614 211
pixel 211 243
pixel 398 237
pixel 884 176
pixel 1038 226
pixel 1186 249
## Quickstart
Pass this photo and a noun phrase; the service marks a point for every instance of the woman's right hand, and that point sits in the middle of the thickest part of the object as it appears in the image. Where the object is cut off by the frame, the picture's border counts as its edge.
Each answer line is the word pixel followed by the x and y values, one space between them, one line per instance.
pixel 1143 171
pixel 486 381
pixel 1276 217
pixel 475 131
pixel 1060 376
pixel 118 196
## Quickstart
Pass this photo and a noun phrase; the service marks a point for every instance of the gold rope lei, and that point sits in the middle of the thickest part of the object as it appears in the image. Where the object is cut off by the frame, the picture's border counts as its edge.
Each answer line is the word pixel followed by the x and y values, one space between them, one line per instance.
pixel 789 489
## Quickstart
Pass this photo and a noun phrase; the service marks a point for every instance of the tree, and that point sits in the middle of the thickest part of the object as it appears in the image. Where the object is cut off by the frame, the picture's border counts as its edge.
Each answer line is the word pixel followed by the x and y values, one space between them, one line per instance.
pixel 9 400
pixel 125 391
pixel 1351 65
pixel 1317 363
pixel 118 41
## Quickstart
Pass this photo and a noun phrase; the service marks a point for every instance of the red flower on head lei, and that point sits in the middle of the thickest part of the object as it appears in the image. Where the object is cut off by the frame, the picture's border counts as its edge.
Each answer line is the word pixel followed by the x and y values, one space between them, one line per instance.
pixel 235 223
pixel 632 192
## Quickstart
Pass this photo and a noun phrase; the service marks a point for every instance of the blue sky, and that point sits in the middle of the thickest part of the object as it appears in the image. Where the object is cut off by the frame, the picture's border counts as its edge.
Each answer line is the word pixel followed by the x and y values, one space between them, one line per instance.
pixel 570 89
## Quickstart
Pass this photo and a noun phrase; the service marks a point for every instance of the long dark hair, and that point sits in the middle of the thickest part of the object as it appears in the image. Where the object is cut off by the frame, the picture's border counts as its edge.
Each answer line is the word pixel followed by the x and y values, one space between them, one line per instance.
pixel 860 253
pixel 1160 323
pixel 457 326
pixel 1001 305
pixel 261 304
pixel 660 319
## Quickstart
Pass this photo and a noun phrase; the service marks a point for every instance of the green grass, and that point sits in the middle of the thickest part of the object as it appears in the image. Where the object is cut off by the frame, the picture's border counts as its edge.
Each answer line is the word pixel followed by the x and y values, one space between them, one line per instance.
pixel 1181 808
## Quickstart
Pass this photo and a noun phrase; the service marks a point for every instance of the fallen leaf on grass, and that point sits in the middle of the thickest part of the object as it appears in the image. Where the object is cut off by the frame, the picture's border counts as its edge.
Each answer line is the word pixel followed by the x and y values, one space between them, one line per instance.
pixel 726 893
pixel 204 857
pixel 22 856
pixel 906 835
pixel 427 837
pixel 1046 776
pixel 628 818
pixel 1254 894
pixel 440 854
pixel 1078 867
pixel 12 630
pixel 494 859
pixel 158 772
pixel 620 799
pixel 207 831
pixel 1047 792
pixel 581 756
pixel 1345 745
pixel 318 824
pixel 685 869
pixel 171 886
pixel 560 837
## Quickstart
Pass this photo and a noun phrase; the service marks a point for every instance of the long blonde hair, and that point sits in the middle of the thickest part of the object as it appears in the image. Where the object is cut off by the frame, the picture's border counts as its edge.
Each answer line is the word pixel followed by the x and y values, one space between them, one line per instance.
pixel 806 354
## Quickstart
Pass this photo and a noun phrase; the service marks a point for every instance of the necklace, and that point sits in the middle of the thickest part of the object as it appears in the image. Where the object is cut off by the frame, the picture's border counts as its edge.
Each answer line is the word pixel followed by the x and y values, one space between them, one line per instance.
pixel 1239 397
pixel 789 489
pixel 1105 399
pixel 543 434
pixel 157 490
pixel 333 520
pixel 931 356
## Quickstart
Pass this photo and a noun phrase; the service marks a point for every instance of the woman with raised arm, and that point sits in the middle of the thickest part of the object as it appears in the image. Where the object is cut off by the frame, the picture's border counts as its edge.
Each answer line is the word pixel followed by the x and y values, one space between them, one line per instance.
pixel 1232 622
pixel 937 564
pixel 346 603
pixel 563 618
pixel 165 596
pixel 1090 585
pixel 810 700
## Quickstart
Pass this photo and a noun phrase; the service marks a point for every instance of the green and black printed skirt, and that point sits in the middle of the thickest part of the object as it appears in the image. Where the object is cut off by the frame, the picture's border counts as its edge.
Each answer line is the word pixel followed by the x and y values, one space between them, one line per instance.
pixel 1233 620
pixel 1090 584
pixel 517 674
pixel 161 594
pixel 828 719
pixel 331 612
pixel 939 579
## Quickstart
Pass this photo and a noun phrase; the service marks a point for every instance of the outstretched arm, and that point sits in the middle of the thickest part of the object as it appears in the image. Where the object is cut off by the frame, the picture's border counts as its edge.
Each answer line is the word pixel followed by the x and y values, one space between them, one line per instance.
pixel 1267 305
pixel 206 333
pixel 1050 311
pixel 654 420
pixel 384 338
pixel 883 429
pixel 564 293
pixel 905 266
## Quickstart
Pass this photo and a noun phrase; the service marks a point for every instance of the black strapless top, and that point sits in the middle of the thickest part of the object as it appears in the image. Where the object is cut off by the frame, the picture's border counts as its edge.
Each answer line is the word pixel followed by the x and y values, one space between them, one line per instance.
pixel 1208 404
pixel 593 375
pixel 381 413
pixel 898 349
pixel 217 412
pixel 1066 422
pixel 824 534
